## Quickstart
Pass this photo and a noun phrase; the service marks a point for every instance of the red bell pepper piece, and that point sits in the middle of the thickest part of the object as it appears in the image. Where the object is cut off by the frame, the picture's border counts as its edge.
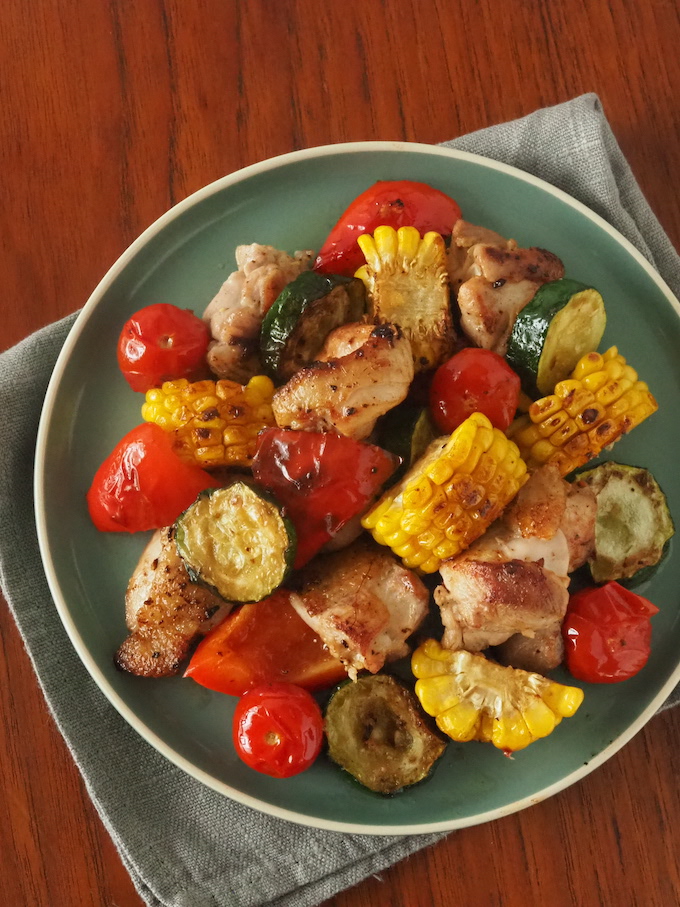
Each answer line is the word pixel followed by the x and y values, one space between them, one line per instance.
pixel 394 203
pixel 322 480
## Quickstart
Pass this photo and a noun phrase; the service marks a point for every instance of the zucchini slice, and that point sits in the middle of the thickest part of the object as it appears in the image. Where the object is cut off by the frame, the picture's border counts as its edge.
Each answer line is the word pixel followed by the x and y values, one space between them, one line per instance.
pixel 633 524
pixel 406 431
pixel 305 312
pixel 236 541
pixel 564 321
pixel 377 732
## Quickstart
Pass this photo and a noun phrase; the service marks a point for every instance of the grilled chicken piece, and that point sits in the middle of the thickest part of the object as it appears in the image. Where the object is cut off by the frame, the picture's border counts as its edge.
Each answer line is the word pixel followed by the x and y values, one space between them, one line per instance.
pixel 578 524
pixel 541 653
pixel 494 279
pixel 514 579
pixel 347 394
pixel 362 603
pixel 235 314
pixel 538 509
pixel 165 612
pixel 488 312
pixel 502 585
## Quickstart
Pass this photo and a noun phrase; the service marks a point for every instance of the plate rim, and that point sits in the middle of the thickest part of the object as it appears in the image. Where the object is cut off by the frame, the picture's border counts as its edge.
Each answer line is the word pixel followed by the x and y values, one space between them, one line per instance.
pixel 126 712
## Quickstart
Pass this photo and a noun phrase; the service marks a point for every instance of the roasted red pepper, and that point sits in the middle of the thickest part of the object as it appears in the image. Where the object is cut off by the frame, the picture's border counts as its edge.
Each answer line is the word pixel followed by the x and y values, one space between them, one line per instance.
pixel 323 480
pixel 264 642
pixel 607 633
pixel 394 203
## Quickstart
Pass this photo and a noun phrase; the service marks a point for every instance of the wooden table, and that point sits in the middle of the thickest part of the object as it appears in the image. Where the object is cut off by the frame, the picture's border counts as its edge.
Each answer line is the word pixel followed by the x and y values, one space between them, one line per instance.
pixel 111 112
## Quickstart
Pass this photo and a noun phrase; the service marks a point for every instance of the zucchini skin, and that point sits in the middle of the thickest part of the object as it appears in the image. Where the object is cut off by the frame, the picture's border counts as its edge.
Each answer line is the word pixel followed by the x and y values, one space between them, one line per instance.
pixel 236 566
pixel 530 333
pixel 634 525
pixel 305 312
pixel 377 732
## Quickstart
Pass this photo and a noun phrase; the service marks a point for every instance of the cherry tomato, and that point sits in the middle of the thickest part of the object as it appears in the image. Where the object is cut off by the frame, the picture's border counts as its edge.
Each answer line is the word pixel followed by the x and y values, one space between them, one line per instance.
pixel 278 729
pixel 260 643
pixel 160 343
pixel 395 203
pixel 607 633
pixel 143 484
pixel 474 380
pixel 322 479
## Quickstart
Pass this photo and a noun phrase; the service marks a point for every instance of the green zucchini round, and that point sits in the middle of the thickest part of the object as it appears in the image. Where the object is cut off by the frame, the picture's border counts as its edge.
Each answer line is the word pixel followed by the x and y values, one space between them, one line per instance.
pixel 406 431
pixel 633 525
pixel 305 312
pixel 564 321
pixel 236 541
pixel 377 732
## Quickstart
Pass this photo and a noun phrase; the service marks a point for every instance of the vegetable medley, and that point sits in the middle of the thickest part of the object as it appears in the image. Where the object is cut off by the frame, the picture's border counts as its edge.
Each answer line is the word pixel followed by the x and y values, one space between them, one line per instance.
pixel 403 430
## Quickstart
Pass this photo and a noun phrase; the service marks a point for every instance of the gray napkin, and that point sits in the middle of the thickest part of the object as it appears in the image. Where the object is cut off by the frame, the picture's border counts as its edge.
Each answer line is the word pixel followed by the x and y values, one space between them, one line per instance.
pixel 183 844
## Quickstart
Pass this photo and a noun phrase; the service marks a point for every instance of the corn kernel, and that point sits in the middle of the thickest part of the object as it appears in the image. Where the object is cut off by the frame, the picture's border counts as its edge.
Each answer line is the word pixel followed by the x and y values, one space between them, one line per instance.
pixel 443 519
pixel 214 423
pixel 601 401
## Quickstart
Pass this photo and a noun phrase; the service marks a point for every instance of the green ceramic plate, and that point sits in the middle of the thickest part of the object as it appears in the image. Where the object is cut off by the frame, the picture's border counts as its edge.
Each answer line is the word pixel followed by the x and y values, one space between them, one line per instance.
pixel 291 202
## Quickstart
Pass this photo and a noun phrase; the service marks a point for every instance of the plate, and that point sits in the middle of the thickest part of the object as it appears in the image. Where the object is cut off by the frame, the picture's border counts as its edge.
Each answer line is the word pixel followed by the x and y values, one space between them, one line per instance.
pixel 291 202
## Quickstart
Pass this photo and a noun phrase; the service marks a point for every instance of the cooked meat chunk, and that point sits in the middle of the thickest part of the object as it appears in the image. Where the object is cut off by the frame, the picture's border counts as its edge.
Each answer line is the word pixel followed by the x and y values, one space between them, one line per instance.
pixel 362 603
pixel 488 312
pixel 514 579
pixel 164 611
pixel 494 279
pixel 235 314
pixel 541 653
pixel 578 524
pixel 347 394
pixel 538 509
pixel 501 586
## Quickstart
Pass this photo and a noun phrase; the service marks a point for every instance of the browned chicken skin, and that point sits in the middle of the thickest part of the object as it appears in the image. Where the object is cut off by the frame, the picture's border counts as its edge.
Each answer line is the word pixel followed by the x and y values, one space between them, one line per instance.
pixel 494 279
pixel 511 585
pixel 363 603
pixel 236 312
pixel 348 393
pixel 164 611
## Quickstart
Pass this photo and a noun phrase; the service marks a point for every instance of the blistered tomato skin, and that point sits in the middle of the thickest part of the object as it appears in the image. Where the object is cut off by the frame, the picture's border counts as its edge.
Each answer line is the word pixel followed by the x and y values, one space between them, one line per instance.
pixel 160 343
pixel 278 729
pixel 394 203
pixel 474 380
pixel 607 633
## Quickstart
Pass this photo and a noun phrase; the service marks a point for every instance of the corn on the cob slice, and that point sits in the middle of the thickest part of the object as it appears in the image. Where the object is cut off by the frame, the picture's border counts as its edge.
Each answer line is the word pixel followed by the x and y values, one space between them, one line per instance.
pixel 601 401
pixel 407 284
pixel 450 495
pixel 215 423
pixel 474 699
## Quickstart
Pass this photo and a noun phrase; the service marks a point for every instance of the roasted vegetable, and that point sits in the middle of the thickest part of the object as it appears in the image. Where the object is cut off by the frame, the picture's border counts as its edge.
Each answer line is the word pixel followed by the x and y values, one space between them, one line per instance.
pixel 397 203
pixel 375 732
pixel 236 541
pixel 263 642
pixel 214 423
pixel 450 496
pixel 407 284
pixel 406 431
pixel 323 480
pixel 304 314
pixel 474 699
pixel 602 401
pixel 564 321
pixel 633 524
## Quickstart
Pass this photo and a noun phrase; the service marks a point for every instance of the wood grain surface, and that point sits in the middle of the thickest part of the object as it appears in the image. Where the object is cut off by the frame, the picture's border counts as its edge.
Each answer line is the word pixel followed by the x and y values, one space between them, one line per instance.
pixel 113 110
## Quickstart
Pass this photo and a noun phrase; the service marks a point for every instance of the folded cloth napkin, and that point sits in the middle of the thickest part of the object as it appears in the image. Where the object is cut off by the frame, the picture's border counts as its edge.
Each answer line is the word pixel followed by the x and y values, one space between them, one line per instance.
pixel 183 844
